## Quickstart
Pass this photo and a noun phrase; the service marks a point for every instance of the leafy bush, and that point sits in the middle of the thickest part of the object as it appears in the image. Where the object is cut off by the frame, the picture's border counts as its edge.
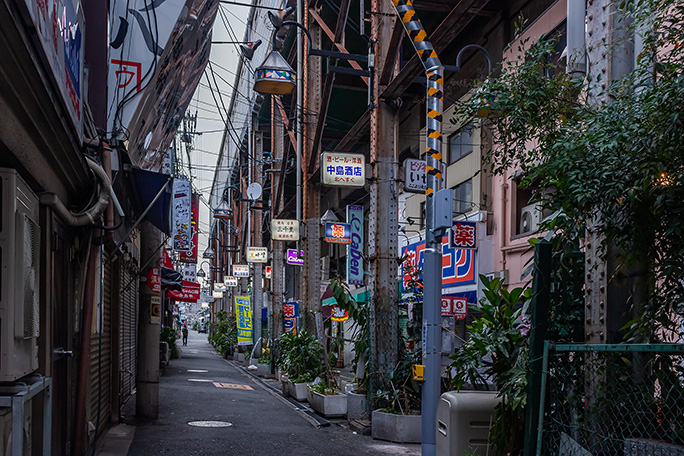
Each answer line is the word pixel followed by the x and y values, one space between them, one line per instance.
pixel 300 356
pixel 497 352
pixel 169 335
pixel 224 337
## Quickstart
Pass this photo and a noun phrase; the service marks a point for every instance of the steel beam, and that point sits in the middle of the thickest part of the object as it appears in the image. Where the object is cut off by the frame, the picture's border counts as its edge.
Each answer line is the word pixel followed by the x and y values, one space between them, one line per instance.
pixel 454 24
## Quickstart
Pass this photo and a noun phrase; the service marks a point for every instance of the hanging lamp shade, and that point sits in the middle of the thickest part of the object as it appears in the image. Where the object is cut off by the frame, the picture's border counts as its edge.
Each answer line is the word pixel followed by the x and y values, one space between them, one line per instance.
pixel 209 253
pixel 275 76
pixel 222 211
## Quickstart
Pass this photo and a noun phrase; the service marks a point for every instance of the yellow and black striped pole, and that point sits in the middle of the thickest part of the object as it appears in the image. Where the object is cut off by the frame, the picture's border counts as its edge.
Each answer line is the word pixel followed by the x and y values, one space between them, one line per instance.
pixel 432 255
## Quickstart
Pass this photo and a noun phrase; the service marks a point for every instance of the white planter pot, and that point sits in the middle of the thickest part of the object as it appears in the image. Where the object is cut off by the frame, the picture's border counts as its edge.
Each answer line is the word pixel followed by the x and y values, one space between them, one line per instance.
pixel 262 369
pixel 334 405
pixel 396 428
pixel 298 390
pixel 357 406
pixel 240 357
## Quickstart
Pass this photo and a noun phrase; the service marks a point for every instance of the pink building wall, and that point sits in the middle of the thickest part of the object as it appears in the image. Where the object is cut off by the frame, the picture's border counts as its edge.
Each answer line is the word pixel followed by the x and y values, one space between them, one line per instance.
pixel 512 251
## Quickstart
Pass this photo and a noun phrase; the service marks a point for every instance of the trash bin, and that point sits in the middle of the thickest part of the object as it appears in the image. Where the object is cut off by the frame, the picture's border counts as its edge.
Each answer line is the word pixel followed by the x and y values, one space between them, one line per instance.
pixel 463 422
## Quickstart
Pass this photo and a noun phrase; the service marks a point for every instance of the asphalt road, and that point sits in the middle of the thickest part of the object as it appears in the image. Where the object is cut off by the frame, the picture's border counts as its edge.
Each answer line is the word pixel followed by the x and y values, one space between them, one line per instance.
pixel 201 386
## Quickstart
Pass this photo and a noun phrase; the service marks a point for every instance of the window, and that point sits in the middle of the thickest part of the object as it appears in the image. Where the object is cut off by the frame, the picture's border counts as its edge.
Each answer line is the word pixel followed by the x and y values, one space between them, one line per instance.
pixel 463 198
pixel 460 143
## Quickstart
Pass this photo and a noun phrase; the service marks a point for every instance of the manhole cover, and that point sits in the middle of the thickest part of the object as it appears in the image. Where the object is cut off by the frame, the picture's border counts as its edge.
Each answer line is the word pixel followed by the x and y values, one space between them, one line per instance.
pixel 198 371
pixel 210 423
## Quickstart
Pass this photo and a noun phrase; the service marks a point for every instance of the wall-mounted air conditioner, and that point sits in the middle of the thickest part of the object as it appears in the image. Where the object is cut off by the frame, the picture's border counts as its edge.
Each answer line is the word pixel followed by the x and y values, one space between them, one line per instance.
pixel 19 282
pixel 530 218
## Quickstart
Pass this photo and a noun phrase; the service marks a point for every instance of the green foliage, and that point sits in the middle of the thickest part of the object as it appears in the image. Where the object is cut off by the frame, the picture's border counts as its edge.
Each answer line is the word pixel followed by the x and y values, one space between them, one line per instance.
pixel 399 393
pixel 265 356
pixel 359 313
pixel 606 155
pixel 300 356
pixel 224 333
pixel 169 335
pixel 497 352
pixel 323 388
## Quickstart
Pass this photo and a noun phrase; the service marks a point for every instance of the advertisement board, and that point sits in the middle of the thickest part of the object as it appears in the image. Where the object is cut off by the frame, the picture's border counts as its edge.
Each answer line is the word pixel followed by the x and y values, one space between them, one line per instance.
pixel 290 313
pixel 182 205
pixel 415 178
pixel 257 254
pixel 337 233
pixel 464 235
pixel 190 256
pixel 355 247
pixel 294 259
pixel 284 230
pixel 240 270
pixel 243 320
pixel 458 265
pixel 343 170
pixel 230 281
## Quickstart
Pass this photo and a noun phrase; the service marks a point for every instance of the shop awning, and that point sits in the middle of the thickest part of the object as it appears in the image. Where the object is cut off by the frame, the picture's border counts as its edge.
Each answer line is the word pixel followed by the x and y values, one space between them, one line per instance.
pixel 148 185
pixel 189 293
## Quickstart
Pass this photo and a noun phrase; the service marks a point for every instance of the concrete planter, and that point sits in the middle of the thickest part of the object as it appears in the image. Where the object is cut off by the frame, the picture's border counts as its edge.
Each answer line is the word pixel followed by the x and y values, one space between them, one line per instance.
pixel 328 405
pixel 298 391
pixel 357 406
pixel 396 428
pixel 262 369
pixel 284 385
pixel 240 357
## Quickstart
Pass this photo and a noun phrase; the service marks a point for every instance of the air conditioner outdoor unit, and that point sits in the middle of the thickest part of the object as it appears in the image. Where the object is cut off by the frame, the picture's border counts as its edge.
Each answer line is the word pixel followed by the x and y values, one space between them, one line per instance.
pixel 19 281
pixel 530 218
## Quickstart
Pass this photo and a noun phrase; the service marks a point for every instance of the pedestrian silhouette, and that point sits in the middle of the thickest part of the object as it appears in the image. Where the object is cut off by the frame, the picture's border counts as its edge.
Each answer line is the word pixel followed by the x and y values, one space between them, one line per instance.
pixel 185 335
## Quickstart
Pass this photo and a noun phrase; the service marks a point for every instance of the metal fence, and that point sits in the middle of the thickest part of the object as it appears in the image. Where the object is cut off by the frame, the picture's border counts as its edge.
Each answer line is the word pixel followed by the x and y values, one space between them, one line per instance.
pixel 612 400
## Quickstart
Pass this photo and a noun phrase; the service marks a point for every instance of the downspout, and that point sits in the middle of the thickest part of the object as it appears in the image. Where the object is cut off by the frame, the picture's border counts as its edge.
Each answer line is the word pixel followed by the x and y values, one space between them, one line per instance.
pixel 89 216
pixel 432 320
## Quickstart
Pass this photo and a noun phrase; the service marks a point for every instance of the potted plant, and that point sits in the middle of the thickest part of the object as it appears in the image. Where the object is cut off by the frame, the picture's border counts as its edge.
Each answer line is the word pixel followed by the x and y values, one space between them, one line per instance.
pixel 497 350
pixel 398 417
pixel 224 334
pixel 327 400
pixel 301 356
pixel 357 399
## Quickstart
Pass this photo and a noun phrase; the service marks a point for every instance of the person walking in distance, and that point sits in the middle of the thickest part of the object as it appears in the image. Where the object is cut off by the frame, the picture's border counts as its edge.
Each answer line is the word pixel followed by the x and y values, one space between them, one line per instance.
pixel 185 335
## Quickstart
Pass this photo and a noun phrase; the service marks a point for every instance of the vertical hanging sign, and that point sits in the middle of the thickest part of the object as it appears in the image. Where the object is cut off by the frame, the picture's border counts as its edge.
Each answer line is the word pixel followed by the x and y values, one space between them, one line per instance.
pixel 290 312
pixel 243 312
pixel 355 248
pixel 182 204
pixel 191 255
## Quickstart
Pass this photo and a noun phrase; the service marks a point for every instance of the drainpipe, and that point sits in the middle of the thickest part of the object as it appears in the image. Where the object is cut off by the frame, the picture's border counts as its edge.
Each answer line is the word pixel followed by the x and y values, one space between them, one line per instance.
pixel 432 264
pixel 89 216
pixel 576 10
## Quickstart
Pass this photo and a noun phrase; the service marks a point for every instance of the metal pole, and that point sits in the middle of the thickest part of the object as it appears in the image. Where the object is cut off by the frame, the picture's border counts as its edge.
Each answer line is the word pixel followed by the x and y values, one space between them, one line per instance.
pixel 299 112
pixel 432 272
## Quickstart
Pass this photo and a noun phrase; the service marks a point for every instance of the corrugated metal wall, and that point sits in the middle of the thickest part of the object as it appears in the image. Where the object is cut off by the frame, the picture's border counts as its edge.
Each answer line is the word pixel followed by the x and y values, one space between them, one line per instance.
pixel 128 322
pixel 99 384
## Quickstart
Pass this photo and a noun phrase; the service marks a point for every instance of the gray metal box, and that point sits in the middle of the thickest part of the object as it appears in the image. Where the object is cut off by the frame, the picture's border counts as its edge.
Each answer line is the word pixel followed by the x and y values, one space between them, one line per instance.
pixel 463 422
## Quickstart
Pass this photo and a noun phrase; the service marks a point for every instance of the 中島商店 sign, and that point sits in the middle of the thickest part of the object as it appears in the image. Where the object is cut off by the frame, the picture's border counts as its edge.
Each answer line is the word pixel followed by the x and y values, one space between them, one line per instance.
pixel 346 170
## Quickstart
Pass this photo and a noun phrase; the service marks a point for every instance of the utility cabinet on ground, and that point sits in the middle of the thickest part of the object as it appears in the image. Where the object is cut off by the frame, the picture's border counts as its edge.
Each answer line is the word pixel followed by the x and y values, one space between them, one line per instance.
pixel 463 422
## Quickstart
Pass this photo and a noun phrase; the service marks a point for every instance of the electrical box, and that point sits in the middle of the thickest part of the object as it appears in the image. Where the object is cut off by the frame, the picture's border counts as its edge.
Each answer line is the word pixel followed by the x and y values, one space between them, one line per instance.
pixel 444 209
pixel 463 422
pixel 19 282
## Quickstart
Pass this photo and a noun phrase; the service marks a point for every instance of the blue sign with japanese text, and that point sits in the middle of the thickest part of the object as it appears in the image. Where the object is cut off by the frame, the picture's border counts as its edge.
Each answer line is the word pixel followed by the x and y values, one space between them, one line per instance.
pixel 338 233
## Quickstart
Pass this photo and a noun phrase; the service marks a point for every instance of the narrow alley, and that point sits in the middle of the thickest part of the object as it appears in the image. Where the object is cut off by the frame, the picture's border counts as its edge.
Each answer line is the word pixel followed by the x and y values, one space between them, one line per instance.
pixel 201 388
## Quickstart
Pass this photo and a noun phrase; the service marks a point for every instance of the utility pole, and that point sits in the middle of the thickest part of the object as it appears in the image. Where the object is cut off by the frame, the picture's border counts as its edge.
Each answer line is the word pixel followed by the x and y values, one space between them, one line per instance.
pixel 311 275
pixel 277 263
pixel 149 328
pixel 257 289
pixel 438 215
pixel 383 224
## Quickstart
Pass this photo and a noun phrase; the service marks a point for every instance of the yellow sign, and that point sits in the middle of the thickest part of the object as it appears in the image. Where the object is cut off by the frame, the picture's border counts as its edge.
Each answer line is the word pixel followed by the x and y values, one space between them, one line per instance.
pixel 417 370
pixel 243 312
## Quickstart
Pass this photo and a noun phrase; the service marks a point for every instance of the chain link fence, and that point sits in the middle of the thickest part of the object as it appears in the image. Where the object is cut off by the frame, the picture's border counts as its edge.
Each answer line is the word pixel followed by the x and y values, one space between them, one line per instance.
pixel 612 400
